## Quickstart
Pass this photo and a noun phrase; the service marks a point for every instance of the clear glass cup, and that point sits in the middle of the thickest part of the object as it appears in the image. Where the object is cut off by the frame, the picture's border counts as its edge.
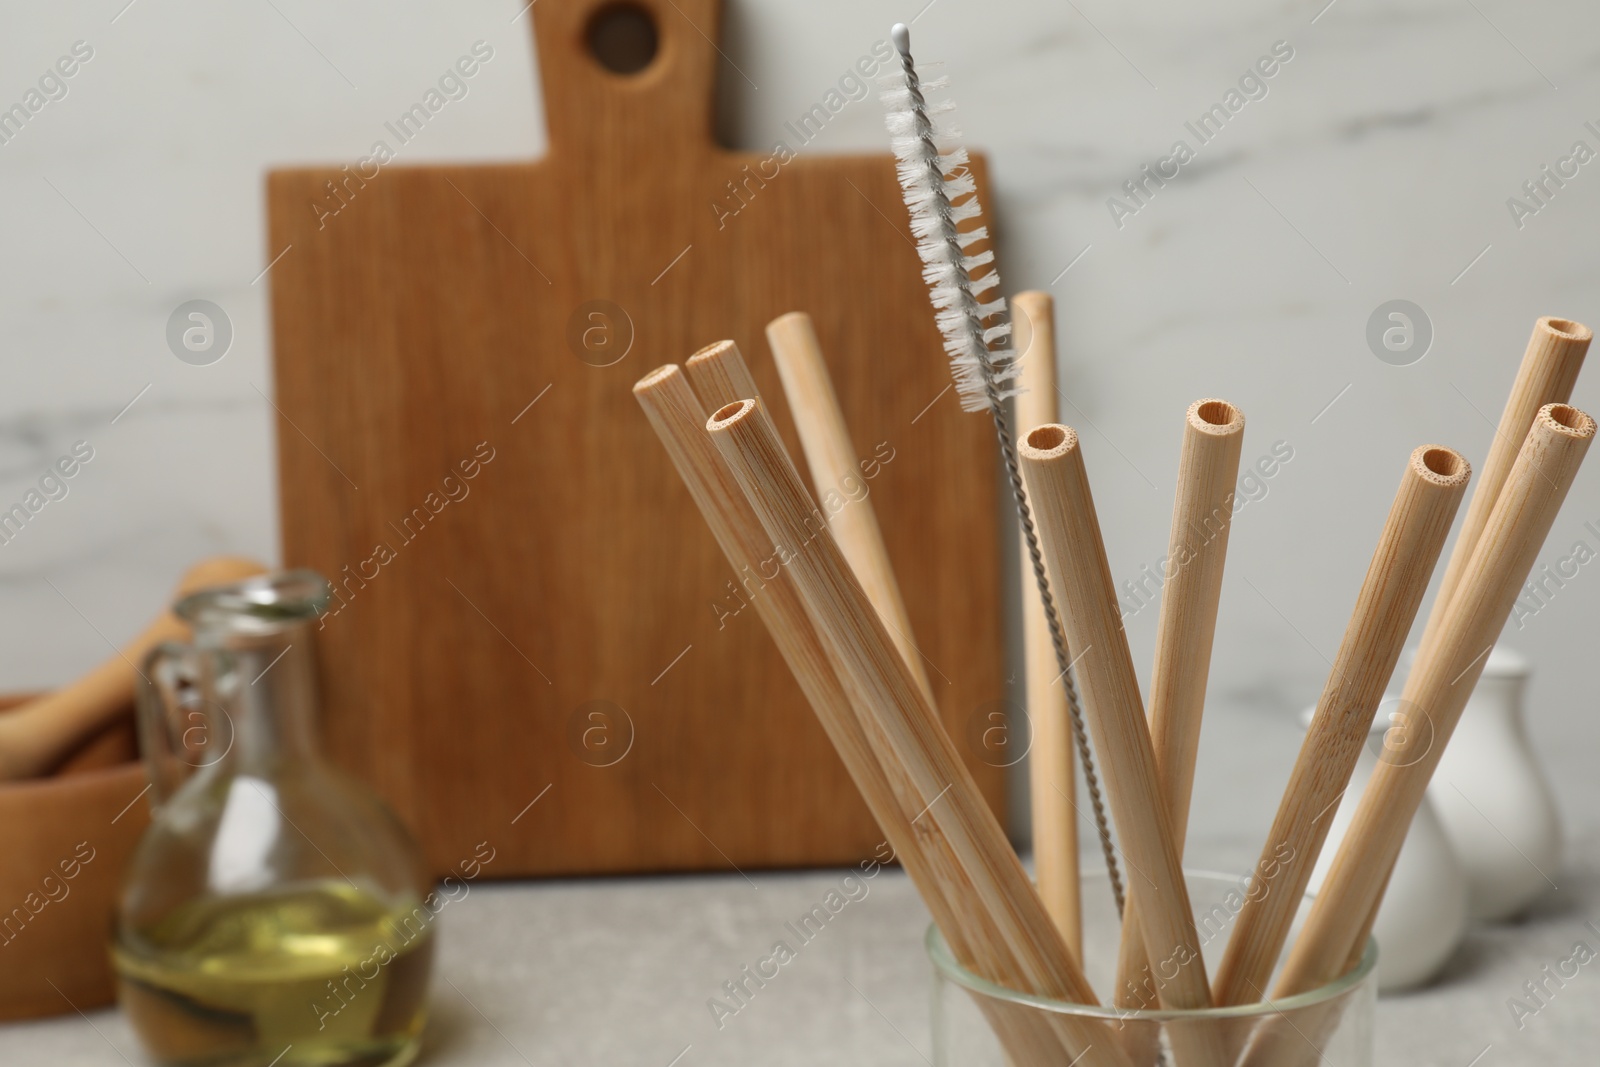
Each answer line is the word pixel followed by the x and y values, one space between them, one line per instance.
pixel 1326 1027
pixel 274 911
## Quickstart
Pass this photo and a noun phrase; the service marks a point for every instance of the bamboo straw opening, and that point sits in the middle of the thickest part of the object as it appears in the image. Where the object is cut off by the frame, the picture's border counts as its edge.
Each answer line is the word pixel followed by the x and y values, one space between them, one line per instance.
pixel 1567 419
pixel 1051 439
pixel 1566 328
pixel 728 414
pixel 1441 465
pixel 786 317
pixel 715 348
pixel 1216 417
pixel 655 377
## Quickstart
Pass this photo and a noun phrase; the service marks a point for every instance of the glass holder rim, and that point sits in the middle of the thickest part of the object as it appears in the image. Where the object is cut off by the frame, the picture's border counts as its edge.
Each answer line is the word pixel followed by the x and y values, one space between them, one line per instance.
pixel 947 966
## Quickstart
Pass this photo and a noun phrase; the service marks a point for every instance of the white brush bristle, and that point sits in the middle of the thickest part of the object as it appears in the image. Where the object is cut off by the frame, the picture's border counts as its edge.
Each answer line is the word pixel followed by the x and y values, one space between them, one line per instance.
pixel 942 195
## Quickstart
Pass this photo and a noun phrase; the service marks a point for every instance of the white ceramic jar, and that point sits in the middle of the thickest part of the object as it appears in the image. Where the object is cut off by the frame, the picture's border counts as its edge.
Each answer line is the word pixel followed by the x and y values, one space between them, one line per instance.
pixel 1424 912
pixel 1494 799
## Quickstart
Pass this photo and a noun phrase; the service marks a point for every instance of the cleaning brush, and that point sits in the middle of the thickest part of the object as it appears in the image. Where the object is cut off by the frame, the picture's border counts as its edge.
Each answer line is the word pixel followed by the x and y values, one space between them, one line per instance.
pixel 942 194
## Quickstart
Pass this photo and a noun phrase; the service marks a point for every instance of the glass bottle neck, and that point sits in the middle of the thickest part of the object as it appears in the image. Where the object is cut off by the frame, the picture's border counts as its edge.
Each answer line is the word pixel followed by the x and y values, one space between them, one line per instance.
pixel 266 688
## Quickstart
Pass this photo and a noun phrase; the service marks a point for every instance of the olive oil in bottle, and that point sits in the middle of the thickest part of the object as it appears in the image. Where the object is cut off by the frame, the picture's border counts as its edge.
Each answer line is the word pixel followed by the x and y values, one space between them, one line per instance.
pixel 273 913
pixel 316 975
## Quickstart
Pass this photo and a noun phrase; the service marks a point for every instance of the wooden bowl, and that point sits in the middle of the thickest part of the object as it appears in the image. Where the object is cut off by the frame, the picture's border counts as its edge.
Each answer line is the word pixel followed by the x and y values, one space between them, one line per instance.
pixel 64 842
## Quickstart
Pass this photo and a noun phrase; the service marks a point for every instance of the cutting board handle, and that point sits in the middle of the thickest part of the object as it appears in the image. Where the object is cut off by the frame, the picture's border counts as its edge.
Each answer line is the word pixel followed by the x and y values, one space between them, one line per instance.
pixel 601 116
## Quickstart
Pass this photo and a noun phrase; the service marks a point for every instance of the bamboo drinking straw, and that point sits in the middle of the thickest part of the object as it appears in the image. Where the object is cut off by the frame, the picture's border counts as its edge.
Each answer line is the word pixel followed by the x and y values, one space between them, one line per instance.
pixel 1059 487
pixel 1430 491
pixel 984 879
pixel 721 376
pixel 896 717
pixel 718 370
pixel 1014 944
pixel 1052 778
pixel 1202 515
pixel 1437 691
pixel 1278 1045
pixel 679 420
pixel 836 470
pixel 1548 372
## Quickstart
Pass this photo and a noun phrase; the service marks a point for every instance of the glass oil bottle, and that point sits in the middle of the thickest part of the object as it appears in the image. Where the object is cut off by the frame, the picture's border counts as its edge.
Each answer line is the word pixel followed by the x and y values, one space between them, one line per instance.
pixel 273 913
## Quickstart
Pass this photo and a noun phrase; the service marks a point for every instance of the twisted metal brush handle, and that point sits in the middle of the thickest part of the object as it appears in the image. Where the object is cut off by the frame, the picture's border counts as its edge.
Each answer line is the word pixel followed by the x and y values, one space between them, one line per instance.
pixel 1058 639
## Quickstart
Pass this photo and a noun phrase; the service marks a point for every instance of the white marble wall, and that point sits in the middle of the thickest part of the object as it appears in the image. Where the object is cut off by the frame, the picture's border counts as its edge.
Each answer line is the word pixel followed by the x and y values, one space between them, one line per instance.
pixel 1377 166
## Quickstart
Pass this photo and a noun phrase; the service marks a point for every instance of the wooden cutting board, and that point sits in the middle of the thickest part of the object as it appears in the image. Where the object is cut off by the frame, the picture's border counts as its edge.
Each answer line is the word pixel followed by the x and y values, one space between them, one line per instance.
pixel 531 610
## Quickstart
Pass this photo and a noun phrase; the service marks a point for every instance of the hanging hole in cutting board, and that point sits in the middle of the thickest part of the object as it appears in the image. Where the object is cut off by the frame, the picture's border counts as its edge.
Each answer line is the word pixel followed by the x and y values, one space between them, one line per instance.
pixel 623 38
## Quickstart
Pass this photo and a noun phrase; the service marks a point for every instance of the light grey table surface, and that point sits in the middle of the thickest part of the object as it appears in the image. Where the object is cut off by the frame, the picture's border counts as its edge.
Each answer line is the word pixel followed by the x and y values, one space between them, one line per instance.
pixel 620 971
